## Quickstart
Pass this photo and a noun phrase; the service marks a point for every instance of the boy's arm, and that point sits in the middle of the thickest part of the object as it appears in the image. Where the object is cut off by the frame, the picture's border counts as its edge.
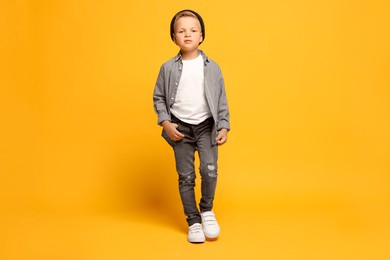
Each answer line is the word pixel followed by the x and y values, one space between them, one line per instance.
pixel 159 98
pixel 223 108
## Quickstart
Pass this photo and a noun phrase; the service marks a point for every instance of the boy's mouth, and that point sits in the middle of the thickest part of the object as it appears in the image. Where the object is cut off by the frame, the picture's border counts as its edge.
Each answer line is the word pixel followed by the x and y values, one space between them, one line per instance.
pixel 187 41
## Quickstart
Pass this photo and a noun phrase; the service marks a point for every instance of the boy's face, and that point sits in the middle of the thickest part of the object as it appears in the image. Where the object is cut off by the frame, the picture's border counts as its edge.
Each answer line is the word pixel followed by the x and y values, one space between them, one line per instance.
pixel 188 34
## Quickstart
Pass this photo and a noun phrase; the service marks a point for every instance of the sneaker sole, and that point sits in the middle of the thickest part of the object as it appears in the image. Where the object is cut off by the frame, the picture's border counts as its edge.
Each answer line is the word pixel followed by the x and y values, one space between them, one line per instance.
pixel 212 236
pixel 197 241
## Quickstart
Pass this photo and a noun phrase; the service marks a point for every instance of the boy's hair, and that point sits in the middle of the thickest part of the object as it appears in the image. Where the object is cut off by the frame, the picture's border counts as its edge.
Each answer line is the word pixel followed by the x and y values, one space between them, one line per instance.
pixel 187 13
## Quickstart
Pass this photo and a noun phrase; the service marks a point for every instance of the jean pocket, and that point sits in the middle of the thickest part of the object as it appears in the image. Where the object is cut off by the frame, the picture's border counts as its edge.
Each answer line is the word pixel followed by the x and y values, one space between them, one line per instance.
pixel 167 138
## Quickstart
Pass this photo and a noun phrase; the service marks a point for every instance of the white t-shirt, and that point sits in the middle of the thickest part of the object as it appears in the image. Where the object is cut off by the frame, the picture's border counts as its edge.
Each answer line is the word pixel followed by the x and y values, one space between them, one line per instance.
pixel 190 104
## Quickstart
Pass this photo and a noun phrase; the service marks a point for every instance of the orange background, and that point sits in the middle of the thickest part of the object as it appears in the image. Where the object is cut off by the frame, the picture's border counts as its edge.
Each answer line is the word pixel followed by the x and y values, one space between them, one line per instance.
pixel 86 175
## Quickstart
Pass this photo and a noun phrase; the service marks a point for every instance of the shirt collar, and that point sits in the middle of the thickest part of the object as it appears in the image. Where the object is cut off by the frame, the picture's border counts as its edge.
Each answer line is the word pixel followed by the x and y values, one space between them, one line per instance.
pixel 205 58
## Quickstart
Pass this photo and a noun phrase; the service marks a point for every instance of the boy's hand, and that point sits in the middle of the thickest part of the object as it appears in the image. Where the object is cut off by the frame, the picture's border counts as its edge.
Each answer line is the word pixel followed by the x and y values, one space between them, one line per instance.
pixel 170 129
pixel 222 136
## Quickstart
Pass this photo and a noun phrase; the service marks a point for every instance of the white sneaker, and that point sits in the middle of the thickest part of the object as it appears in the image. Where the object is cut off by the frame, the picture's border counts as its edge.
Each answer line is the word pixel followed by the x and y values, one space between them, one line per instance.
pixel 210 225
pixel 195 234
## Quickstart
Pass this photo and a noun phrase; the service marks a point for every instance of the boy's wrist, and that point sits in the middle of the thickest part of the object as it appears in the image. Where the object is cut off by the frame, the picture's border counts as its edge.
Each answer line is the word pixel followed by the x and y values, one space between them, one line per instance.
pixel 165 122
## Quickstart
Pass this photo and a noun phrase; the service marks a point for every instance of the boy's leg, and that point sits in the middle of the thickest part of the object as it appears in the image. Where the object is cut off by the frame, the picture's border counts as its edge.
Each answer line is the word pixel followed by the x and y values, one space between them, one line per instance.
pixel 208 155
pixel 184 155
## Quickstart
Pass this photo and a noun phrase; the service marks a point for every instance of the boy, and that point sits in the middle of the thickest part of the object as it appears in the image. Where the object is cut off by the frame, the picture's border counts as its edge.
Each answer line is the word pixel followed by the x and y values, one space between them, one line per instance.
pixel 190 101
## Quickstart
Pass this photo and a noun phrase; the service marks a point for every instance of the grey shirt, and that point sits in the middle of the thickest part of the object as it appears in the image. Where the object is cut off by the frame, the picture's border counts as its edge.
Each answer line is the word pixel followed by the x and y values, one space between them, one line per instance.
pixel 168 81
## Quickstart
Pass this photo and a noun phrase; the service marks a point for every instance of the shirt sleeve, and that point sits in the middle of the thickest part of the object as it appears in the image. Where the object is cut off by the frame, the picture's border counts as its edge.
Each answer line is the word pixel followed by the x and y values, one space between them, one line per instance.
pixel 223 108
pixel 160 97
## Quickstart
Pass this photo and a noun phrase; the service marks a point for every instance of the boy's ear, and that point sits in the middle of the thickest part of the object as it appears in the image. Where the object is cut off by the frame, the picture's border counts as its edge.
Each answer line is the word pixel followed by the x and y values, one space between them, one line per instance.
pixel 174 38
pixel 201 38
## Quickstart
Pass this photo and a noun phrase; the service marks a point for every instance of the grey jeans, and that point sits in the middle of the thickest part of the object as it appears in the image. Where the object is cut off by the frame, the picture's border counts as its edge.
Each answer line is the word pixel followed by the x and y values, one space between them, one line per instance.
pixel 197 138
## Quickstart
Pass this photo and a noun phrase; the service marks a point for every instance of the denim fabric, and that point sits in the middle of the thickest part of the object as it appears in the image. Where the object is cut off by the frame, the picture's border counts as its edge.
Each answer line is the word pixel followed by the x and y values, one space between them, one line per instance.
pixel 197 138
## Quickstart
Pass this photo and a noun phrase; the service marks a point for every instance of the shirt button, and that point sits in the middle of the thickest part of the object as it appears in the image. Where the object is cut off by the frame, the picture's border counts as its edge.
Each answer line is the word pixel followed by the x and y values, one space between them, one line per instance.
pixel 176 83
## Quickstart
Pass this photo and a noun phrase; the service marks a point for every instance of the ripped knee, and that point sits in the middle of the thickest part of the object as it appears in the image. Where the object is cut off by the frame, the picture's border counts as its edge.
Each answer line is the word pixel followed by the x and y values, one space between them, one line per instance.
pixel 188 179
pixel 211 170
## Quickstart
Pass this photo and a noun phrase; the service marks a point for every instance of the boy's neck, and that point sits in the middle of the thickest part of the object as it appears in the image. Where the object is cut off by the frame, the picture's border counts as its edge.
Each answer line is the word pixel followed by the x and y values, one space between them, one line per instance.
pixel 189 55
